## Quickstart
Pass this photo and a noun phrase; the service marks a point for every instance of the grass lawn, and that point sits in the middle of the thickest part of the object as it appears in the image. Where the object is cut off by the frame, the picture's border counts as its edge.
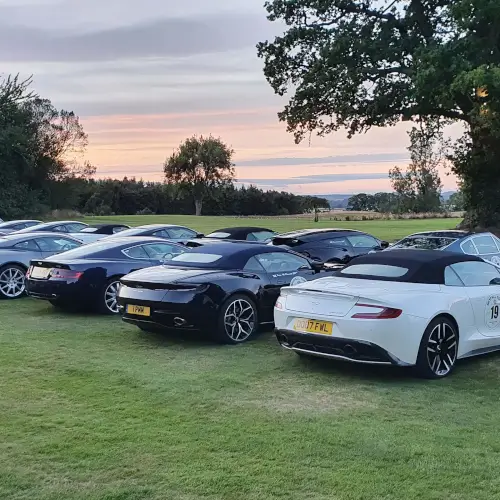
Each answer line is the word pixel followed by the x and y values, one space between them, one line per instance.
pixel 93 409
pixel 390 230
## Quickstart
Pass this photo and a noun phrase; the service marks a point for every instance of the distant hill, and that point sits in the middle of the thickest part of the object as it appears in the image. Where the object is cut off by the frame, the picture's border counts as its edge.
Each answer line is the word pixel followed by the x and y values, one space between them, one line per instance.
pixel 341 200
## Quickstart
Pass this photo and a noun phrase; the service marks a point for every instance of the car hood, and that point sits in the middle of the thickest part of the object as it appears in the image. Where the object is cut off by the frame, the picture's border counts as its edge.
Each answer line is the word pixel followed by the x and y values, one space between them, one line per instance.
pixel 165 274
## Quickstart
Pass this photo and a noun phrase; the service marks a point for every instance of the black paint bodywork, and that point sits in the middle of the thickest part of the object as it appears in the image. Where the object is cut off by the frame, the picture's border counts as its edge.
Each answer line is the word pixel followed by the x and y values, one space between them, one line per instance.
pixel 97 266
pixel 327 245
pixel 191 296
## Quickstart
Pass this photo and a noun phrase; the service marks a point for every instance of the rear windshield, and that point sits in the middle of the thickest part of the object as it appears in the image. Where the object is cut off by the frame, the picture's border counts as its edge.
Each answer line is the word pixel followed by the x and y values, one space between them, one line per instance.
pixel 196 258
pixel 424 242
pixel 218 235
pixel 374 270
pixel 89 230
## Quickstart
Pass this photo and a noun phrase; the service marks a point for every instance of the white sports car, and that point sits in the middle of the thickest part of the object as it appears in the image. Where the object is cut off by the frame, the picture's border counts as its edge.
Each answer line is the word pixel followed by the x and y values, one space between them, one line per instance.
pixel 418 308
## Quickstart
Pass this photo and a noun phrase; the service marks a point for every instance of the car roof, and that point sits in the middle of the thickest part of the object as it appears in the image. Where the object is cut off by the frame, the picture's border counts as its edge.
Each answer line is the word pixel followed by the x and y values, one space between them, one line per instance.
pixel 20 221
pixel 447 233
pixel 49 224
pixel 109 224
pixel 127 240
pixel 24 236
pixel 305 234
pixel 424 266
pixel 242 229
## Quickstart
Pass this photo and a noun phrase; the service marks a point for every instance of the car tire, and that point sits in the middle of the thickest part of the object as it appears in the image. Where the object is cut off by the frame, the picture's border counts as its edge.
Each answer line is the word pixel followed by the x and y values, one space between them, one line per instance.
pixel 108 303
pixel 438 351
pixel 12 282
pixel 238 320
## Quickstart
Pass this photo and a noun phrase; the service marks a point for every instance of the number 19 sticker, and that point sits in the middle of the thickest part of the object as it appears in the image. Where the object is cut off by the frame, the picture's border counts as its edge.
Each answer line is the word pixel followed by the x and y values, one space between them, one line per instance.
pixel 492 313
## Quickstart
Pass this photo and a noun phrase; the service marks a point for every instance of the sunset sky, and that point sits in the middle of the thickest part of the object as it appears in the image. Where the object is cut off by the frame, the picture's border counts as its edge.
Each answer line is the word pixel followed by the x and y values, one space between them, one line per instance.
pixel 144 75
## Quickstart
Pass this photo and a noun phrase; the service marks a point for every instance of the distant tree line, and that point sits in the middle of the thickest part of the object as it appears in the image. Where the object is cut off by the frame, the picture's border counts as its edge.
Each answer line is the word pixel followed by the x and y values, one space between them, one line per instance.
pixel 42 169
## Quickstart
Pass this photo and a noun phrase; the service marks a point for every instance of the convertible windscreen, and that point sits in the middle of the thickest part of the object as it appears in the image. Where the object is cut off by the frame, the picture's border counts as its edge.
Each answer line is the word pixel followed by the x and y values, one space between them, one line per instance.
pixel 375 270
pixel 424 242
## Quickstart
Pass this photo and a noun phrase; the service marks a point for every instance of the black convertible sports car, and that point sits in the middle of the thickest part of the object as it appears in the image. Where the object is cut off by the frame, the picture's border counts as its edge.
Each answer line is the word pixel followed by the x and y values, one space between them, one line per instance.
pixel 228 288
pixel 329 245
pixel 260 234
pixel 89 276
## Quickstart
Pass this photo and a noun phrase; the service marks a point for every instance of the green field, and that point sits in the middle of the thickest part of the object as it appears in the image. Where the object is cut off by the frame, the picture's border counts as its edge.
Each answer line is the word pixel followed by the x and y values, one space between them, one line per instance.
pixel 93 409
pixel 390 230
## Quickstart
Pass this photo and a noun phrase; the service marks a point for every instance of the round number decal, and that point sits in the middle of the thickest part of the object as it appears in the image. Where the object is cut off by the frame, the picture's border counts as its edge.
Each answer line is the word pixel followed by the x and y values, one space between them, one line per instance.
pixel 297 280
pixel 492 312
pixel 495 260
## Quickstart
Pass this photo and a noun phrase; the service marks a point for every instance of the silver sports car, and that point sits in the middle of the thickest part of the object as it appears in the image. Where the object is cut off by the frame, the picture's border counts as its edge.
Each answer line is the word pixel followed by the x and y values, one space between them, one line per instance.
pixel 16 251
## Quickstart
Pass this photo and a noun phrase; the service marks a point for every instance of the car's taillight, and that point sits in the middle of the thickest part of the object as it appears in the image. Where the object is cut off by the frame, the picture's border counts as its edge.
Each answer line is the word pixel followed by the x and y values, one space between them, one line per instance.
pixel 279 303
pixel 28 272
pixel 65 274
pixel 376 312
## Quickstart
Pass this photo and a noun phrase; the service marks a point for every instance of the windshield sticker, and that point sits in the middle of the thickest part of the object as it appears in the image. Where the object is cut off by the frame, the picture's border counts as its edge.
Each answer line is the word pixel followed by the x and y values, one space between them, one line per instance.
pixel 284 274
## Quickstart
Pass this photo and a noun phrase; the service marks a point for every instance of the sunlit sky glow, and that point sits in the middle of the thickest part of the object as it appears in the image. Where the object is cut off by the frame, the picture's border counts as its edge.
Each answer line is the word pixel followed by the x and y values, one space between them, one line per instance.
pixel 145 75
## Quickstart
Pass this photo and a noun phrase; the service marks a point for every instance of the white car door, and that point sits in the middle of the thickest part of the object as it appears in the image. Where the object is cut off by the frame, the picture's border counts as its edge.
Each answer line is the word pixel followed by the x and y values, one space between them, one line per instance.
pixel 484 294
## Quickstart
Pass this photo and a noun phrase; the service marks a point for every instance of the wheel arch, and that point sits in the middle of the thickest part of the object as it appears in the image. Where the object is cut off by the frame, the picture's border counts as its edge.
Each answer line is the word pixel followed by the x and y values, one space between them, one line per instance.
pixel 14 263
pixel 449 317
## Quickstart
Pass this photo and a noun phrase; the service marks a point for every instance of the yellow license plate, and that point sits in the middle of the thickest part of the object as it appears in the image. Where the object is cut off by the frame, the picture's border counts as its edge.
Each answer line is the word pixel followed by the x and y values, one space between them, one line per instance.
pixel 313 326
pixel 139 310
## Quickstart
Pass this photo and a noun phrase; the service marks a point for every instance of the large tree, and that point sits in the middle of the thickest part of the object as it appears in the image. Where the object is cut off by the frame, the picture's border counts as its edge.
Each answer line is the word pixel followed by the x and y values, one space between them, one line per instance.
pixel 355 64
pixel 39 147
pixel 200 165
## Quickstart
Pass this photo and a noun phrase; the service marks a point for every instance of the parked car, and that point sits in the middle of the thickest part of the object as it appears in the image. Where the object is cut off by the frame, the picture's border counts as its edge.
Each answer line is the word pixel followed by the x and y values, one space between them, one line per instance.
pixel 329 245
pixel 259 234
pixel 17 225
pixel 166 231
pixel 405 307
pixel 226 288
pixel 485 245
pixel 95 232
pixel 89 276
pixel 67 226
pixel 16 252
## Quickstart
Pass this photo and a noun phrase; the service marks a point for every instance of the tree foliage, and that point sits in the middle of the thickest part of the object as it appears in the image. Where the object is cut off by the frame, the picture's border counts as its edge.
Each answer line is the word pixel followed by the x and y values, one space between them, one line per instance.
pixel 39 146
pixel 200 165
pixel 355 64
pixel 419 187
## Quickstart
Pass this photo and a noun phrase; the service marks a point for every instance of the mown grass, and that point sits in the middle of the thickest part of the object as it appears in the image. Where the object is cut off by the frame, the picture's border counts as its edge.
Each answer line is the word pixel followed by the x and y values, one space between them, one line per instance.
pixel 93 409
pixel 390 230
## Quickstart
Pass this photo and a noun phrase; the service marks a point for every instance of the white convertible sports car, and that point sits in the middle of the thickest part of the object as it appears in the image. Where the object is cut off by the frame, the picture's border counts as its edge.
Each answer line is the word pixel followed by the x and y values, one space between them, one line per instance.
pixel 418 308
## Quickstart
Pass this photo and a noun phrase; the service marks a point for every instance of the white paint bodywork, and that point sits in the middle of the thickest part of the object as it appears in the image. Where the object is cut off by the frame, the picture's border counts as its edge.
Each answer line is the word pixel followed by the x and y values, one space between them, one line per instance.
pixel 334 299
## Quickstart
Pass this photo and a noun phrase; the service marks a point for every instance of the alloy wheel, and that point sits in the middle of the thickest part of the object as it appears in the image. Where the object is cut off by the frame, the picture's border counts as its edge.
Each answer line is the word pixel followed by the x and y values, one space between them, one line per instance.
pixel 12 282
pixel 111 297
pixel 442 349
pixel 239 320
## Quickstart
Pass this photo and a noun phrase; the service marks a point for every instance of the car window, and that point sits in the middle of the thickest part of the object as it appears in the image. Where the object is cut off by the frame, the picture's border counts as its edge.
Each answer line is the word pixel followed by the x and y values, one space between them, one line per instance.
pixel 468 247
pixel 55 244
pixel 451 277
pixel 218 234
pixel 118 229
pixel 136 252
pixel 485 244
pixel 253 265
pixel 337 242
pixel 197 258
pixel 381 270
pixel 260 235
pixel 27 245
pixel 161 233
pixel 424 242
pixel 362 241
pixel 75 227
pixel 276 262
pixel 30 224
pixel 180 232
pixel 475 273
pixel 18 227
pixel 159 251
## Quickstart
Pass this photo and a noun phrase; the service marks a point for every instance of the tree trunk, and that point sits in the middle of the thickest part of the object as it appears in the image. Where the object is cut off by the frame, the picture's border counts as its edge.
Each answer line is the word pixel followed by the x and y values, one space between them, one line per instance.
pixel 198 206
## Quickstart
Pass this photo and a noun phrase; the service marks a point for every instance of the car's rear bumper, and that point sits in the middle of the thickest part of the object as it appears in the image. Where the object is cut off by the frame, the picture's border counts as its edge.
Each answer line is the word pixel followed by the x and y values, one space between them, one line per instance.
pixel 342 349
pixel 67 291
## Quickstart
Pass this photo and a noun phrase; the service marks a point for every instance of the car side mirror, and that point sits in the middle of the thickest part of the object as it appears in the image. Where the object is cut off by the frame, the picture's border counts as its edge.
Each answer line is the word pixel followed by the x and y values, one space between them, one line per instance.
pixel 384 245
pixel 495 281
pixel 317 266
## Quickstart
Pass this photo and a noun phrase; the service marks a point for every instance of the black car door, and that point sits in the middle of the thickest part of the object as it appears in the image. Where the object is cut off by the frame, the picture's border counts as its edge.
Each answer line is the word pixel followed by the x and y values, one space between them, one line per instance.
pixel 281 269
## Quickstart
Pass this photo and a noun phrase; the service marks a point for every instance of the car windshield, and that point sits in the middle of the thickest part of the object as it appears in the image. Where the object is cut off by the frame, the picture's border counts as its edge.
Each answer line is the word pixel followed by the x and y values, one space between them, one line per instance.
pixel 196 258
pixel 373 270
pixel 218 234
pixel 424 242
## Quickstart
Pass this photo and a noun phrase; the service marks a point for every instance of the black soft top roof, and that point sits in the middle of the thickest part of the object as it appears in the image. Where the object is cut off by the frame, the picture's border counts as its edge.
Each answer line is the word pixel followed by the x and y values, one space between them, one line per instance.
pixel 424 266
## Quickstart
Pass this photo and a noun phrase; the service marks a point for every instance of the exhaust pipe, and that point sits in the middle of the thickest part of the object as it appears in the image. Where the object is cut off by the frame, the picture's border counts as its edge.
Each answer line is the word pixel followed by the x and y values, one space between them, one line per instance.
pixel 179 321
pixel 283 339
